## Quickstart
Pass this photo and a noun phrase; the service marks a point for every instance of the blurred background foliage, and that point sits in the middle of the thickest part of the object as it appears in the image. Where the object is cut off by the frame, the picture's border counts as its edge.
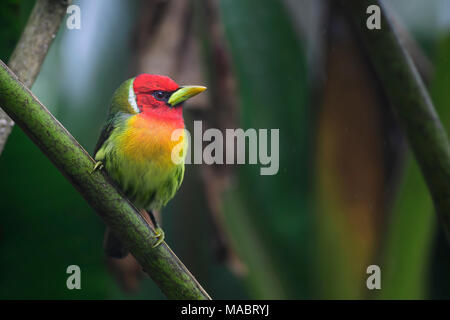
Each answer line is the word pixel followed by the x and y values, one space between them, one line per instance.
pixel 348 193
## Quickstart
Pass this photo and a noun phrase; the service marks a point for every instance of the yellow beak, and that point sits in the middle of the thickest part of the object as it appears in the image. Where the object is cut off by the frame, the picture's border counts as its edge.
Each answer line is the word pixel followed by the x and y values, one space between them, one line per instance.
pixel 184 93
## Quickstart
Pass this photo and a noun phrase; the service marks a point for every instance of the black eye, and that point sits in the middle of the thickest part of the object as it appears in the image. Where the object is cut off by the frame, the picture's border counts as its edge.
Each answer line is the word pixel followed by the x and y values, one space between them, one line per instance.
pixel 160 95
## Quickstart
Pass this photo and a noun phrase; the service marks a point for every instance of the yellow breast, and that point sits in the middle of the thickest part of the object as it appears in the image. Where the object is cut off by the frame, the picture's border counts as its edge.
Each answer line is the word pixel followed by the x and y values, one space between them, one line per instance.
pixel 152 139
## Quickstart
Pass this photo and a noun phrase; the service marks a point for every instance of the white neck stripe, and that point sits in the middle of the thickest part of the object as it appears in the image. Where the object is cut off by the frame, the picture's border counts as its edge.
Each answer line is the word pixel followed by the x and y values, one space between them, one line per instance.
pixel 132 97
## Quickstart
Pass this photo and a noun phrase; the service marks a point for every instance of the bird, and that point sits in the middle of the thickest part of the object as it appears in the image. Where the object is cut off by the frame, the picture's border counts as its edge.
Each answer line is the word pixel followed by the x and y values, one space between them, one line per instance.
pixel 136 143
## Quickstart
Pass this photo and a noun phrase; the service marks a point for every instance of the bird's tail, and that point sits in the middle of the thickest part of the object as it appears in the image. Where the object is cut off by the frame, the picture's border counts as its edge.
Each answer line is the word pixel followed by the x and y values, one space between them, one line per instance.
pixel 113 247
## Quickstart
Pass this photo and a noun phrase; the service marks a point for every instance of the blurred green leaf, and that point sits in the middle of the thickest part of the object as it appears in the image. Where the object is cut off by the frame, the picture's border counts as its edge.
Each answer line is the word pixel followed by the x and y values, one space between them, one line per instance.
pixel 272 77
pixel 13 17
pixel 407 249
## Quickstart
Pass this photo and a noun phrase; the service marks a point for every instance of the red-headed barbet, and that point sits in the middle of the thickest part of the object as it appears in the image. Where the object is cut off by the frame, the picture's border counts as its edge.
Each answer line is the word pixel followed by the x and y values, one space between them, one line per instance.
pixel 136 143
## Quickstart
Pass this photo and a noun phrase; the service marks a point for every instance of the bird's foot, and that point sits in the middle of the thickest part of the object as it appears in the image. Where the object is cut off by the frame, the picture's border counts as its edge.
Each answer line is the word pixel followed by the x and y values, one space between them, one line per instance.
pixel 98 166
pixel 159 235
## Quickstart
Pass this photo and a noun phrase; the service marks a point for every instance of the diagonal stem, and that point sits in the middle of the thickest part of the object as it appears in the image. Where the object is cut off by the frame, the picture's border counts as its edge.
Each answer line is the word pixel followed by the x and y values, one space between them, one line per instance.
pixel 30 51
pixel 410 101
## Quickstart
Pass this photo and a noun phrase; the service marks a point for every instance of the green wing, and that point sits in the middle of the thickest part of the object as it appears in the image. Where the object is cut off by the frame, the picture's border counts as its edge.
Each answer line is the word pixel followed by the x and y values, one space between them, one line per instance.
pixel 104 135
pixel 179 176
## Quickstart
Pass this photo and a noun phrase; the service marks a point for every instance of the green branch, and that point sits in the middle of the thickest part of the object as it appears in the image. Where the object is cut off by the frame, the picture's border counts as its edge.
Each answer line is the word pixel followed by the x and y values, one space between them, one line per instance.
pixel 160 263
pixel 410 101
pixel 30 51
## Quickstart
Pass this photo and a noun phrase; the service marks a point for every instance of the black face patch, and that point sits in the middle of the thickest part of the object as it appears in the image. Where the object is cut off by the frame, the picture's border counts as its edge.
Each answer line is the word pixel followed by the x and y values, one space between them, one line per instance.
pixel 161 95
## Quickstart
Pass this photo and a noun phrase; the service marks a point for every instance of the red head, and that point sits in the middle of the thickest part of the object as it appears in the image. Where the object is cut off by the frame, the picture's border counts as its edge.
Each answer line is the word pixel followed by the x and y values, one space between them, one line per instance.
pixel 160 96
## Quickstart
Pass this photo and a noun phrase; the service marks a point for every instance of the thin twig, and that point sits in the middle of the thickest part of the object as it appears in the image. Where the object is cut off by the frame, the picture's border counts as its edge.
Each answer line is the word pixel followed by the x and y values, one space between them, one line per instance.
pixel 223 108
pixel 161 264
pixel 30 51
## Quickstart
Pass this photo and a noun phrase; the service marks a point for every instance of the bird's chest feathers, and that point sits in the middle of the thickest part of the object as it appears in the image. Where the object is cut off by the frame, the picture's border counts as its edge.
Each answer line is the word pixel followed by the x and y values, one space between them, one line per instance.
pixel 148 139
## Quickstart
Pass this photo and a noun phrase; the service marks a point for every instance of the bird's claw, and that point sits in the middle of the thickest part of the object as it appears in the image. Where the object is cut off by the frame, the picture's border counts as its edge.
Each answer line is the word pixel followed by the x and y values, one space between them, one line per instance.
pixel 159 235
pixel 98 166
